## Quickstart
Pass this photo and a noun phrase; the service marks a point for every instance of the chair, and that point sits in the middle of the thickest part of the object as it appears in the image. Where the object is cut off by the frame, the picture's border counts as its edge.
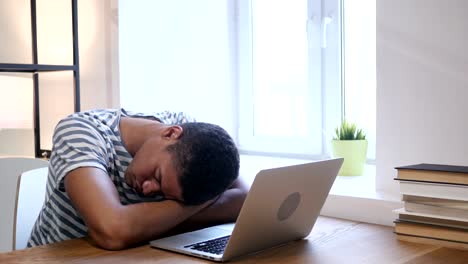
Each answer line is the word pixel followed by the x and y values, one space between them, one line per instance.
pixel 10 169
pixel 30 199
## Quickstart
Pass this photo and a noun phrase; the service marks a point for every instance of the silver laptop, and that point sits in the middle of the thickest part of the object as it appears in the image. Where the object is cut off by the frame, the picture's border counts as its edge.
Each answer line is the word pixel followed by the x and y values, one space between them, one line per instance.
pixel 281 206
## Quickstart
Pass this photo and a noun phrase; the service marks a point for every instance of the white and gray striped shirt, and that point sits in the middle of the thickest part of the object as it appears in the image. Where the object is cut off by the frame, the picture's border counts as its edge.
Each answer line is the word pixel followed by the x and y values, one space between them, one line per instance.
pixel 87 139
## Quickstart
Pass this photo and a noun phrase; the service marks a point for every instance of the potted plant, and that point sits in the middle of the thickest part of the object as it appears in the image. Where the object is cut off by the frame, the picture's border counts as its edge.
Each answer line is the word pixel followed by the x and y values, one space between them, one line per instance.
pixel 350 143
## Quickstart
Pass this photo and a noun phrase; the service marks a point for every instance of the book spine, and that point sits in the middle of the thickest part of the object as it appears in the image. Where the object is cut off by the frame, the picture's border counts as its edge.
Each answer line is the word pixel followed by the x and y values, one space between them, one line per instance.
pixel 452 234
pixel 436 210
pixel 442 191
pixel 432 241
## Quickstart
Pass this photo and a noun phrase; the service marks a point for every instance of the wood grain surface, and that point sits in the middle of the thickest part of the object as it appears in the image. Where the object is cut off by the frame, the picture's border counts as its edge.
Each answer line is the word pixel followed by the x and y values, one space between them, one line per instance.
pixel 331 241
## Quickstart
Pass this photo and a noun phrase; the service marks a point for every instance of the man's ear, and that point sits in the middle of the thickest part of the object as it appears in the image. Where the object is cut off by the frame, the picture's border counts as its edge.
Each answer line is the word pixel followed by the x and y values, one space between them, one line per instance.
pixel 173 132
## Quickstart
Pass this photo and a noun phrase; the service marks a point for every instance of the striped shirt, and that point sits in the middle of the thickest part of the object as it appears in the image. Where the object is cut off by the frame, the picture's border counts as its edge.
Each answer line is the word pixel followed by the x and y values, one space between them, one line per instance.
pixel 87 139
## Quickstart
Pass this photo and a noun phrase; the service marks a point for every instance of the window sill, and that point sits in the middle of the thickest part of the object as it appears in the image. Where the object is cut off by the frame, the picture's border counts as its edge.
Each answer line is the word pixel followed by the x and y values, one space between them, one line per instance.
pixel 351 197
pixel 356 186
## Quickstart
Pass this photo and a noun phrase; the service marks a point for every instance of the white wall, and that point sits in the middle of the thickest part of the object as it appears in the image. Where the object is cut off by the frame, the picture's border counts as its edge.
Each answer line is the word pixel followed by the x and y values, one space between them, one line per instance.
pixel 98 64
pixel 178 55
pixel 98 45
pixel 99 61
pixel 422 85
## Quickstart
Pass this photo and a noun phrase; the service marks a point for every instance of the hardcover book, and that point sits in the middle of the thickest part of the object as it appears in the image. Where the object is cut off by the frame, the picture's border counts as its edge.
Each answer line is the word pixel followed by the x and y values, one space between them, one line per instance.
pixel 431 231
pixel 433 241
pixel 434 190
pixel 402 211
pixel 441 207
pixel 447 203
pixel 437 210
pixel 434 173
pixel 425 219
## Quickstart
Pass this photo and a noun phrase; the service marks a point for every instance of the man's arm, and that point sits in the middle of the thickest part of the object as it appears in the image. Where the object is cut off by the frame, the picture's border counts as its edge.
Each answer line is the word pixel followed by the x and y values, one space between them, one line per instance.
pixel 225 209
pixel 113 225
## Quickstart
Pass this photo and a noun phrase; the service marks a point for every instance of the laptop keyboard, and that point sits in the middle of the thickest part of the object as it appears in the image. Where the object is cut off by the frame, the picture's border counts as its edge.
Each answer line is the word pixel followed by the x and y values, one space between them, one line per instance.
pixel 213 246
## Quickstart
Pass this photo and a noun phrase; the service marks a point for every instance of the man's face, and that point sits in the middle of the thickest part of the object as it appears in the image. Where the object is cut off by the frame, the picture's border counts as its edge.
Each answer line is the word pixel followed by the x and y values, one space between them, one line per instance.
pixel 152 171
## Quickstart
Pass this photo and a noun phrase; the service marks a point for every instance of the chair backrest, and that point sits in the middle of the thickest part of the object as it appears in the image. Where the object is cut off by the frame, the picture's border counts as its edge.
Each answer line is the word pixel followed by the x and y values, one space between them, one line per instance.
pixel 10 169
pixel 30 199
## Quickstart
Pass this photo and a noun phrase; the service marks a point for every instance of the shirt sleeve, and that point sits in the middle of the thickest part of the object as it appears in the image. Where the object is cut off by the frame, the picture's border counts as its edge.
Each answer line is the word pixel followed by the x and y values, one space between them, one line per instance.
pixel 175 118
pixel 76 143
pixel 165 117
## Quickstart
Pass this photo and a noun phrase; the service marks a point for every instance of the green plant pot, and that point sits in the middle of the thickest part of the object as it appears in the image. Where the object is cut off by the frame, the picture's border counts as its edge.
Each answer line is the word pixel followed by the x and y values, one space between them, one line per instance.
pixel 354 153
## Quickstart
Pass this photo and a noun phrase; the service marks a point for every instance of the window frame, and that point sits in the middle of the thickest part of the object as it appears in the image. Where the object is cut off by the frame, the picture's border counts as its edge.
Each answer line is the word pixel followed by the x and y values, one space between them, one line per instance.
pixel 326 92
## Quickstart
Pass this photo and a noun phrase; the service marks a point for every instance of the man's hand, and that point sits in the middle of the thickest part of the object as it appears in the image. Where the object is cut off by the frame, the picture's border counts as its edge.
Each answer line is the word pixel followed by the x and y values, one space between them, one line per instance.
pixel 115 226
pixel 225 208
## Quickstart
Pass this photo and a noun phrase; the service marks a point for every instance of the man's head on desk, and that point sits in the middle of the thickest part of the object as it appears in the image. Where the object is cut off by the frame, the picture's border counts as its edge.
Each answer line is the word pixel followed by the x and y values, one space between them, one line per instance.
pixel 191 163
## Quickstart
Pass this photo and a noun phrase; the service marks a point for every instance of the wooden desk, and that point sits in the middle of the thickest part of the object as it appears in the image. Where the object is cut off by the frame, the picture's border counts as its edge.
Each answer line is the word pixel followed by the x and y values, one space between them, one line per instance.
pixel 331 241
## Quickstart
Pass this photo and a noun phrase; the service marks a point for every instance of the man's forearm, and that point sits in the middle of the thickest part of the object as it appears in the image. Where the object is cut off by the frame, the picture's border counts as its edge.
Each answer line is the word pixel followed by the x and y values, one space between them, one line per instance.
pixel 224 210
pixel 145 221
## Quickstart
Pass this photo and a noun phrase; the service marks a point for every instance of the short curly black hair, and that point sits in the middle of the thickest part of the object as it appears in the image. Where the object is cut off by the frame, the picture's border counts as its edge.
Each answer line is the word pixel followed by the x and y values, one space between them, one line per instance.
pixel 207 161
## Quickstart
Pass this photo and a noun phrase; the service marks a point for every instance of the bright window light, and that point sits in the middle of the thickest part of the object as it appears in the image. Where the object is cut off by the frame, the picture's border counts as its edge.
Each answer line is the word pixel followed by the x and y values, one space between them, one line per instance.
pixel 359 66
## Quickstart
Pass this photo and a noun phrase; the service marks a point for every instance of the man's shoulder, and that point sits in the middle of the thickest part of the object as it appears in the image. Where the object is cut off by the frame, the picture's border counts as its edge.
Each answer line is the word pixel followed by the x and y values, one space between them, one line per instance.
pixel 166 117
pixel 93 125
pixel 174 118
pixel 92 118
pixel 97 114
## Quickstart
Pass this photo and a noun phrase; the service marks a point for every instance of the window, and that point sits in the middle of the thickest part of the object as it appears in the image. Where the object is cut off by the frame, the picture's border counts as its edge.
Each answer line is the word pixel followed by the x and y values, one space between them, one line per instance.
pixel 359 39
pixel 180 55
pixel 305 65
pixel 290 84
pixel 286 96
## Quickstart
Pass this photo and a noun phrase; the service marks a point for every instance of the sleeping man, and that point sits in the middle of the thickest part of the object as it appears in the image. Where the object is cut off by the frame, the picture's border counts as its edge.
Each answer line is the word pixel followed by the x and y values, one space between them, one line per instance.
pixel 123 178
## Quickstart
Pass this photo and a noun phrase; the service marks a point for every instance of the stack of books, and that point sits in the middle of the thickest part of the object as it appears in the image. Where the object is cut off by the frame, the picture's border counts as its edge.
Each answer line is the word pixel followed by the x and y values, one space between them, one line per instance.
pixel 435 205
